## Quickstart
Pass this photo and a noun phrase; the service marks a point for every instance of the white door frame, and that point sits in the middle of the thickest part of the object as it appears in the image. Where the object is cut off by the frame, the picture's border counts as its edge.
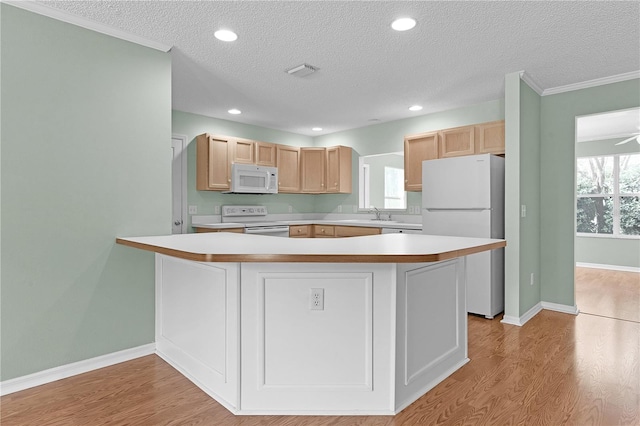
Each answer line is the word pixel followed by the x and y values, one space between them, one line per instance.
pixel 183 156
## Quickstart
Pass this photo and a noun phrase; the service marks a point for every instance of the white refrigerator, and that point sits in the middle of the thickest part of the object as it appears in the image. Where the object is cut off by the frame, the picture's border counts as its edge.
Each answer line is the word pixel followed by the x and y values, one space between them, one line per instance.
pixel 464 196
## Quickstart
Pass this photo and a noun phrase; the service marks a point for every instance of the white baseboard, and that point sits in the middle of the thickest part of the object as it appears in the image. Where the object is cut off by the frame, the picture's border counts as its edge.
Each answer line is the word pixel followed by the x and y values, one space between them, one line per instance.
pixel 609 267
pixel 64 371
pixel 565 309
pixel 520 321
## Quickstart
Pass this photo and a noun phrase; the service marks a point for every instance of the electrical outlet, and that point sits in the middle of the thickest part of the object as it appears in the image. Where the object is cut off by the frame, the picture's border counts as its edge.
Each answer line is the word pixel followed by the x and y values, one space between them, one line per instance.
pixel 412 210
pixel 316 299
pixel 216 210
pixel 340 209
pixel 193 209
pixel 523 210
pixel 532 280
pixel 290 209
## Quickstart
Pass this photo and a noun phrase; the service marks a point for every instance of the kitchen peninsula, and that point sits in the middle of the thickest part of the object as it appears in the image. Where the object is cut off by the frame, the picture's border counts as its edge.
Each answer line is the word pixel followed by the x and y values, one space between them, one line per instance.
pixel 267 325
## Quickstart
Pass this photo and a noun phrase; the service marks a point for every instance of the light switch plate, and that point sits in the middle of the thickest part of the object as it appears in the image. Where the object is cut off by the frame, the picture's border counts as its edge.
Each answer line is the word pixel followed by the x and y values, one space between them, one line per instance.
pixel 193 209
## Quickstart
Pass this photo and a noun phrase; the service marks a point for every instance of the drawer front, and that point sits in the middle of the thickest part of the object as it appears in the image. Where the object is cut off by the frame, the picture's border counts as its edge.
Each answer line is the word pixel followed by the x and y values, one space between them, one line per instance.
pixel 323 231
pixel 300 231
pixel 355 231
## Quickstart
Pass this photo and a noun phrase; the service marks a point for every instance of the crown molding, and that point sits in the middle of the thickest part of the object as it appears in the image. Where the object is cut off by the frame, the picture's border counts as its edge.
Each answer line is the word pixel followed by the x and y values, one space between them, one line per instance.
pixel 592 83
pixel 60 15
pixel 531 83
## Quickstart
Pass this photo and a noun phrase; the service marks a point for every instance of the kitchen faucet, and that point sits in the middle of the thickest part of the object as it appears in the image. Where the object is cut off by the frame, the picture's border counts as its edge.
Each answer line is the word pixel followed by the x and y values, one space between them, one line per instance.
pixel 376 212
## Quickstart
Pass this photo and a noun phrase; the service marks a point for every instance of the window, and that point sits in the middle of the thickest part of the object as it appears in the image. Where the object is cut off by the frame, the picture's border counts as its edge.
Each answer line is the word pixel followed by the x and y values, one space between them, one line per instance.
pixel 394 195
pixel 608 195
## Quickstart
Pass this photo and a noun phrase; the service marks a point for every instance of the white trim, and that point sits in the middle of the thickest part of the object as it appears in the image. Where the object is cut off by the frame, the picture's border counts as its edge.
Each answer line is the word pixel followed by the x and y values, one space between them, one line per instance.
pixel 64 371
pixel 592 83
pixel 63 16
pixel 565 309
pixel 531 83
pixel 520 321
pixel 549 306
pixel 609 267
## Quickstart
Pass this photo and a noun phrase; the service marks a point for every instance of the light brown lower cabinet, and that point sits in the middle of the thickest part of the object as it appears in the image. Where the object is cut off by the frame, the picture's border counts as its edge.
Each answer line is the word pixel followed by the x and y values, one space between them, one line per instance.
pixel 300 231
pixel 323 231
pixel 330 231
pixel 355 231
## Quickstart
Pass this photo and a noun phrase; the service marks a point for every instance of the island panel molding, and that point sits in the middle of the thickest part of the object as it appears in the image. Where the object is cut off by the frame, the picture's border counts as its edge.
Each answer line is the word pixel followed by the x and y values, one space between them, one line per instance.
pixel 197 323
pixel 336 360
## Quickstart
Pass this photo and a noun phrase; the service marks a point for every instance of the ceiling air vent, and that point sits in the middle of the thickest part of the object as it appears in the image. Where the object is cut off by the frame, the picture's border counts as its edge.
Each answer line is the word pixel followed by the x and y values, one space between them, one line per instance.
pixel 302 70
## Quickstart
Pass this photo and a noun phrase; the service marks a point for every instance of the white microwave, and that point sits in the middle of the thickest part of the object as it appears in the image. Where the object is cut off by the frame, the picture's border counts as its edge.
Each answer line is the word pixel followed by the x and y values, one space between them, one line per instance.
pixel 250 179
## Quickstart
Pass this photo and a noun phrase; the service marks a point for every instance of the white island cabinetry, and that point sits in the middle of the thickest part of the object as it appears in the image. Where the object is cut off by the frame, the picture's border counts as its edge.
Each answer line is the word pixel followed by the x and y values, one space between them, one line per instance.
pixel 250 335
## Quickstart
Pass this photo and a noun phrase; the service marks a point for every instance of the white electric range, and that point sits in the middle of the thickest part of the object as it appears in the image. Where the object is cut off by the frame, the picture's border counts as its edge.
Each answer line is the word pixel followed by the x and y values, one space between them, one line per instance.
pixel 254 220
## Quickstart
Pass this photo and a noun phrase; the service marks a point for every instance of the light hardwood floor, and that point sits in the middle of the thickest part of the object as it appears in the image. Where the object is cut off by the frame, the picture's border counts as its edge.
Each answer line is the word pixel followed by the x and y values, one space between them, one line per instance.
pixel 556 369
pixel 607 293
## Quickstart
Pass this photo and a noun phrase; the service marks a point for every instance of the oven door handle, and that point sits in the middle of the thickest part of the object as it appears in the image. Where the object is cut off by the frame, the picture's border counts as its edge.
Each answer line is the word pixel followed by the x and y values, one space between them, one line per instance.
pixel 266 230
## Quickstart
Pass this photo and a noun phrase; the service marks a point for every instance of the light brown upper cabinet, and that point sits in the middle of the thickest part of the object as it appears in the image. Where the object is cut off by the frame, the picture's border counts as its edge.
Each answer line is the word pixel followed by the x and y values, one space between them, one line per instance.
pixel 213 162
pixel 490 138
pixel 243 151
pixel 417 148
pixel 265 154
pixel 458 141
pixel 339 169
pixel 288 160
pixel 300 170
pixel 313 165
pixel 484 138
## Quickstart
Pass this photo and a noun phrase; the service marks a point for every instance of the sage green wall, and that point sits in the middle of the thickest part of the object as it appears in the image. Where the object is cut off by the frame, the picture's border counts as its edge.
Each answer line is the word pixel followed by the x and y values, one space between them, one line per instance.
pixel 86 143
pixel 607 251
pixel 192 125
pixel 529 197
pixel 389 137
pixel 557 162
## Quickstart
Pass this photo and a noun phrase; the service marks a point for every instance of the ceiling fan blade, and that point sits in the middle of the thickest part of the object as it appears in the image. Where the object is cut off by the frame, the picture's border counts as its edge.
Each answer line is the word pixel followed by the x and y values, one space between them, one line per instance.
pixel 628 140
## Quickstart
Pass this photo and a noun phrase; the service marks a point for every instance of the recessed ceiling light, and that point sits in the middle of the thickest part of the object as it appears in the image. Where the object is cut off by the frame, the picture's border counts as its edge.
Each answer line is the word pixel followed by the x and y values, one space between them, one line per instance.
pixel 317 129
pixel 234 111
pixel 225 35
pixel 403 24
pixel 415 108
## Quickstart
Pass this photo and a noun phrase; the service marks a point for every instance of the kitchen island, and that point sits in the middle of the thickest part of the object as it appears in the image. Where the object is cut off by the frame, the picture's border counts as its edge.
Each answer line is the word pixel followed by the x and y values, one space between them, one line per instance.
pixel 267 325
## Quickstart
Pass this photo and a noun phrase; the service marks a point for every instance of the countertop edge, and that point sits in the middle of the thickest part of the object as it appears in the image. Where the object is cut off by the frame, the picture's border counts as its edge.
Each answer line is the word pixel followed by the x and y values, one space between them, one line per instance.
pixel 312 258
pixel 364 224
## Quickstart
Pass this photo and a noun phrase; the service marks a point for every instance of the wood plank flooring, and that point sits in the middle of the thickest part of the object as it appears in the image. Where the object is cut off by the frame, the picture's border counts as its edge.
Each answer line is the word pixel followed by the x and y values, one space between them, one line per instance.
pixel 607 293
pixel 557 369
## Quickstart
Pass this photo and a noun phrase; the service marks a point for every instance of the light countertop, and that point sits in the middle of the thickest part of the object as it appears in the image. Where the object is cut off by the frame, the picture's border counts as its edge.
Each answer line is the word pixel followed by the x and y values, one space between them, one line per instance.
pixel 387 248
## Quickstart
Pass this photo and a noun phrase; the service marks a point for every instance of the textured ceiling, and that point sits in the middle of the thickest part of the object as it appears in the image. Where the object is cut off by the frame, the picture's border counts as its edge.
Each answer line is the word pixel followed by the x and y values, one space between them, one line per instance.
pixel 457 55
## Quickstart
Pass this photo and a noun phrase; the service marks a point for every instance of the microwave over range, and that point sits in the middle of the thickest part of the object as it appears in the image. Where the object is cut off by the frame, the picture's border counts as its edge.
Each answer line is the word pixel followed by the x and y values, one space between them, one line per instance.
pixel 251 179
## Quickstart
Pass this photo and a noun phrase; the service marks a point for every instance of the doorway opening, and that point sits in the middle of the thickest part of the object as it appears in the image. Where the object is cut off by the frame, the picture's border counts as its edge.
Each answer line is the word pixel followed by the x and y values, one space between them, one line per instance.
pixel 607 214
pixel 179 184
